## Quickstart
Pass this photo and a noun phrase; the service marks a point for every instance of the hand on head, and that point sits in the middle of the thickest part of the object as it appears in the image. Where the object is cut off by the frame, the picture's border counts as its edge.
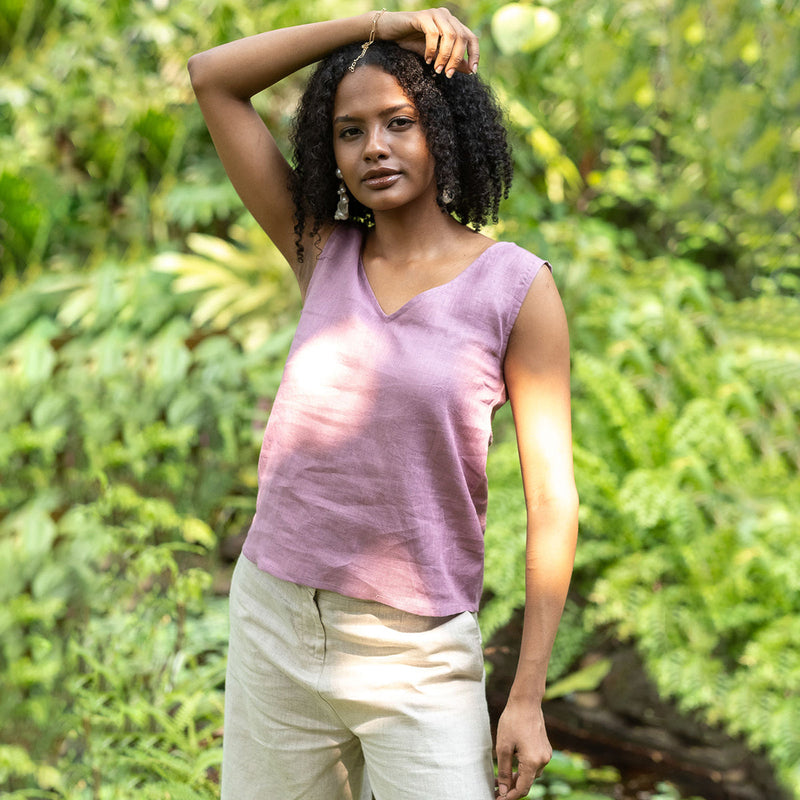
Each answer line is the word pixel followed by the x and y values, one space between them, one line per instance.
pixel 439 37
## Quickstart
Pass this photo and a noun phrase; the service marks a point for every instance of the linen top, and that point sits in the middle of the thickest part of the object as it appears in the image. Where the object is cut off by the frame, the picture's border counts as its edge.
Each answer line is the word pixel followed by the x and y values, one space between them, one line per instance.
pixel 372 472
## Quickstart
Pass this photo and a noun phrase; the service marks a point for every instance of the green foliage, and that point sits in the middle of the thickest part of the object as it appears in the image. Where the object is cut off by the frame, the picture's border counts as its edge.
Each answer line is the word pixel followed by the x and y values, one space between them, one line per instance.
pixel 142 332
pixel 129 444
pixel 246 285
pixel 111 676
pixel 682 117
pixel 686 455
pixel 571 776
pixel 674 120
pixel 103 152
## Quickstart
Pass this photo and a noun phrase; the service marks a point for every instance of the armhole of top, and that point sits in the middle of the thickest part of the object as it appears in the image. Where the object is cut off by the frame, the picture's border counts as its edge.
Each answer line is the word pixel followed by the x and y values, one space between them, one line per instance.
pixel 532 266
pixel 330 247
pixel 522 288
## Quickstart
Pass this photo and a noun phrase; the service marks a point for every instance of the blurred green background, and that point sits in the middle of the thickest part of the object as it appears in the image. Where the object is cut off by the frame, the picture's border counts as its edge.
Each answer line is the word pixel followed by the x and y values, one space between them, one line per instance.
pixel 144 319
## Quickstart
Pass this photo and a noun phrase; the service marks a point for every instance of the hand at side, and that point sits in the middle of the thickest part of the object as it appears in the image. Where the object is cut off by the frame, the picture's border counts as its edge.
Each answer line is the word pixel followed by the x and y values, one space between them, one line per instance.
pixel 521 735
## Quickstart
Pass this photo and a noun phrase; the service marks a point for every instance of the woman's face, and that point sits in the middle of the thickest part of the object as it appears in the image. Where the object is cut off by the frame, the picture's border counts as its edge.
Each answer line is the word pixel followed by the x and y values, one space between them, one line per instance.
pixel 379 143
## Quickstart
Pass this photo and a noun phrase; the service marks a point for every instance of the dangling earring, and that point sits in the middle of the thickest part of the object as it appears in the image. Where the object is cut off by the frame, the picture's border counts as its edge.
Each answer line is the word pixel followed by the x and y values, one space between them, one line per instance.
pixel 343 207
pixel 447 197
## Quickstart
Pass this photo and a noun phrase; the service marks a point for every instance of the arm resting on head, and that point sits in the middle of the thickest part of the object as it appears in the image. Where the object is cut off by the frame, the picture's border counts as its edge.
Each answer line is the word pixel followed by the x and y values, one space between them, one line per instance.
pixel 226 77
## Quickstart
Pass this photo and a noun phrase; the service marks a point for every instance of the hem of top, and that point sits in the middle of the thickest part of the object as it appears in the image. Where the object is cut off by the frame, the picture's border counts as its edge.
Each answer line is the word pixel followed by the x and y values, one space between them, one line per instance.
pixel 325 586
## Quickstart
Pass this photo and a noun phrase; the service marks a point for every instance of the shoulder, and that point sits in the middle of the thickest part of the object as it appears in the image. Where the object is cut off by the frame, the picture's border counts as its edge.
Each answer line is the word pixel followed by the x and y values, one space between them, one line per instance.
pixel 541 324
pixel 517 258
pixel 510 271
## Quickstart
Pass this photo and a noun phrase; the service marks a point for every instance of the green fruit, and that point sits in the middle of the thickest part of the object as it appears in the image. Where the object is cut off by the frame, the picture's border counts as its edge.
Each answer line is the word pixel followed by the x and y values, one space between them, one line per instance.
pixel 520 28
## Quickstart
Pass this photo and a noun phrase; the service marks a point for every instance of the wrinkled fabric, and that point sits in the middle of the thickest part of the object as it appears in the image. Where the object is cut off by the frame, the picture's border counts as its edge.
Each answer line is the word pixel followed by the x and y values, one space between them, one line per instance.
pixel 334 698
pixel 372 472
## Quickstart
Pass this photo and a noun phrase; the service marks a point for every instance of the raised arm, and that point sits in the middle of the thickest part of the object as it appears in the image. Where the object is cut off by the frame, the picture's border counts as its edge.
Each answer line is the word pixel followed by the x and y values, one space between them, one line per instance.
pixel 537 376
pixel 225 79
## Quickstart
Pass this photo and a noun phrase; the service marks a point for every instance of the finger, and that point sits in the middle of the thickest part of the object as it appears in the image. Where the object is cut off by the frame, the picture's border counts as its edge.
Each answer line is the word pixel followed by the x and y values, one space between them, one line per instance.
pixel 457 51
pixel 456 57
pixel 431 32
pixel 514 794
pixel 464 54
pixel 447 25
pixel 473 53
pixel 447 43
pixel 524 780
pixel 505 777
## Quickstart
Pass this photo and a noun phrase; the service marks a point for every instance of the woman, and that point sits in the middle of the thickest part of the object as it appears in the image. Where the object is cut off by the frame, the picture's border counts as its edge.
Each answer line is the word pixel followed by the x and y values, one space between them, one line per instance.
pixel 355 662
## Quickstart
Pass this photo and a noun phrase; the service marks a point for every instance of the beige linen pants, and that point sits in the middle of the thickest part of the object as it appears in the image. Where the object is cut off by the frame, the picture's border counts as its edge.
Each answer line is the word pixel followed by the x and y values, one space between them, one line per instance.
pixel 331 698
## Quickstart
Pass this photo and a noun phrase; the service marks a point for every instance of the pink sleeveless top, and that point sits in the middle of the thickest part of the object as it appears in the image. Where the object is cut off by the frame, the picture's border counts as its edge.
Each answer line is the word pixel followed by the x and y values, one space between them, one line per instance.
pixel 372 473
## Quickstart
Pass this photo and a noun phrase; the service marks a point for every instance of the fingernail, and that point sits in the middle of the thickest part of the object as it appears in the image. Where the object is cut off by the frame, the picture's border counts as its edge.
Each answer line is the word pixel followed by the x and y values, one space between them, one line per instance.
pixel 503 790
pixel 438 70
pixel 474 68
pixel 449 73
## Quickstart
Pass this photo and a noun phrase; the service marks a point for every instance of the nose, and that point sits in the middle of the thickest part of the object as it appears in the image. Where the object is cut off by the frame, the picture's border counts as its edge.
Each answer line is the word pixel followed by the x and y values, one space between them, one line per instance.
pixel 375 144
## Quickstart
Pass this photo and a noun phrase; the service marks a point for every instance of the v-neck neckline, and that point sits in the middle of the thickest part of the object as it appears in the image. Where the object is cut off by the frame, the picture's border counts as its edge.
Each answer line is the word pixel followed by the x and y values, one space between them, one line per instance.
pixel 362 272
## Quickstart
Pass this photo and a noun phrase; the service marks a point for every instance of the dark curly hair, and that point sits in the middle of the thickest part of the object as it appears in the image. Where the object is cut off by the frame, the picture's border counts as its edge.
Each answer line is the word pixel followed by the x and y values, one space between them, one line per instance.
pixel 460 117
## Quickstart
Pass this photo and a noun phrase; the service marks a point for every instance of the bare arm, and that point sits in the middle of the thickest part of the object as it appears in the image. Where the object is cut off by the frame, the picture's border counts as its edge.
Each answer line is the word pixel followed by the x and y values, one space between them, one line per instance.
pixel 537 376
pixel 225 79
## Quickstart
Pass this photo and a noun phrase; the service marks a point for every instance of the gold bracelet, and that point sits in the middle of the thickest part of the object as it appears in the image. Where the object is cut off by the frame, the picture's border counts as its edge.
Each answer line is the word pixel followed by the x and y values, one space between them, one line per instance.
pixel 369 41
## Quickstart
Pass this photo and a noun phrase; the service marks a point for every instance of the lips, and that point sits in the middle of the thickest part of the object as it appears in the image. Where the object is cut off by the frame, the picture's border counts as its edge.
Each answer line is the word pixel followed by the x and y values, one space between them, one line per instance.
pixel 380 178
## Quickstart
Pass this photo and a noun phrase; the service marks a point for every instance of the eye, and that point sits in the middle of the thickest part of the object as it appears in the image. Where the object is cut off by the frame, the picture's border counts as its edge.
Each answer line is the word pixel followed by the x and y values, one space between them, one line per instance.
pixel 349 132
pixel 402 122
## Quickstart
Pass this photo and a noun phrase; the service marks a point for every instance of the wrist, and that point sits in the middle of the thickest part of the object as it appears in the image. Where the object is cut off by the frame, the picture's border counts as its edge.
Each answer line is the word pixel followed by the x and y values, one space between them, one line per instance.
pixel 374 18
pixel 527 690
pixel 376 15
pixel 379 15
pixel 528 698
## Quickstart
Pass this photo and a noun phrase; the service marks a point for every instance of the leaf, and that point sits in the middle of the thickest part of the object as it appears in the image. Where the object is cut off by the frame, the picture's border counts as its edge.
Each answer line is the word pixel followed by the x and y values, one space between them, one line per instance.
pixel 218 250
pixel 196 531
pixel 584 680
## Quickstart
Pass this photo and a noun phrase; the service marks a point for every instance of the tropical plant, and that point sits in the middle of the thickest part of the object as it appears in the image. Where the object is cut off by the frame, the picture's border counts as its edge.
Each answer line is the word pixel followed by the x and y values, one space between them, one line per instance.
pixel 129 444
pixel 687 456
pixel 143 324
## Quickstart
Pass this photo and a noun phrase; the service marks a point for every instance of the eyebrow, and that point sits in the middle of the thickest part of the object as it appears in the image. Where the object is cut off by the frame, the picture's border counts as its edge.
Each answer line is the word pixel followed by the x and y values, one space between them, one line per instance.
pixel 385 112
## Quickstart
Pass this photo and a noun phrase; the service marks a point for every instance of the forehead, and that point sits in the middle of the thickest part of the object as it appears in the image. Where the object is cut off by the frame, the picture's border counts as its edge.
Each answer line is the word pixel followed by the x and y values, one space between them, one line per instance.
pixel 367 90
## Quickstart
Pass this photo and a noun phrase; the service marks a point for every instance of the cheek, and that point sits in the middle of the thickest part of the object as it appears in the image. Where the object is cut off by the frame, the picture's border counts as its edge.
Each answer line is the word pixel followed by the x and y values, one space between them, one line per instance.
pixel 424 155
pixel 430 167
pixel 346 151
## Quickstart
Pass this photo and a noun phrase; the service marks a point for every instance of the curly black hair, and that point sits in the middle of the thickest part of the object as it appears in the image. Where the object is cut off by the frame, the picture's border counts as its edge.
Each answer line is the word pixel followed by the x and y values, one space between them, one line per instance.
pixel 463 127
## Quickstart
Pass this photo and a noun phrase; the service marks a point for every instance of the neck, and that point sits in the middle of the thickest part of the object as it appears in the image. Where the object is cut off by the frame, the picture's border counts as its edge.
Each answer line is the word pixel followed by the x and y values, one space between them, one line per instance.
pixel 413 233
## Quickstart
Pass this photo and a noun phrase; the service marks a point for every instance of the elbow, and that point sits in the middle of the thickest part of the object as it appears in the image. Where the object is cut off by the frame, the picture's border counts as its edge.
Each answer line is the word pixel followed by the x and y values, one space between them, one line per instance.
pixel 210 76
pixel 572 501
pixel 568 504
pixel 563 496
pixel 557 507
pixel 198 71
